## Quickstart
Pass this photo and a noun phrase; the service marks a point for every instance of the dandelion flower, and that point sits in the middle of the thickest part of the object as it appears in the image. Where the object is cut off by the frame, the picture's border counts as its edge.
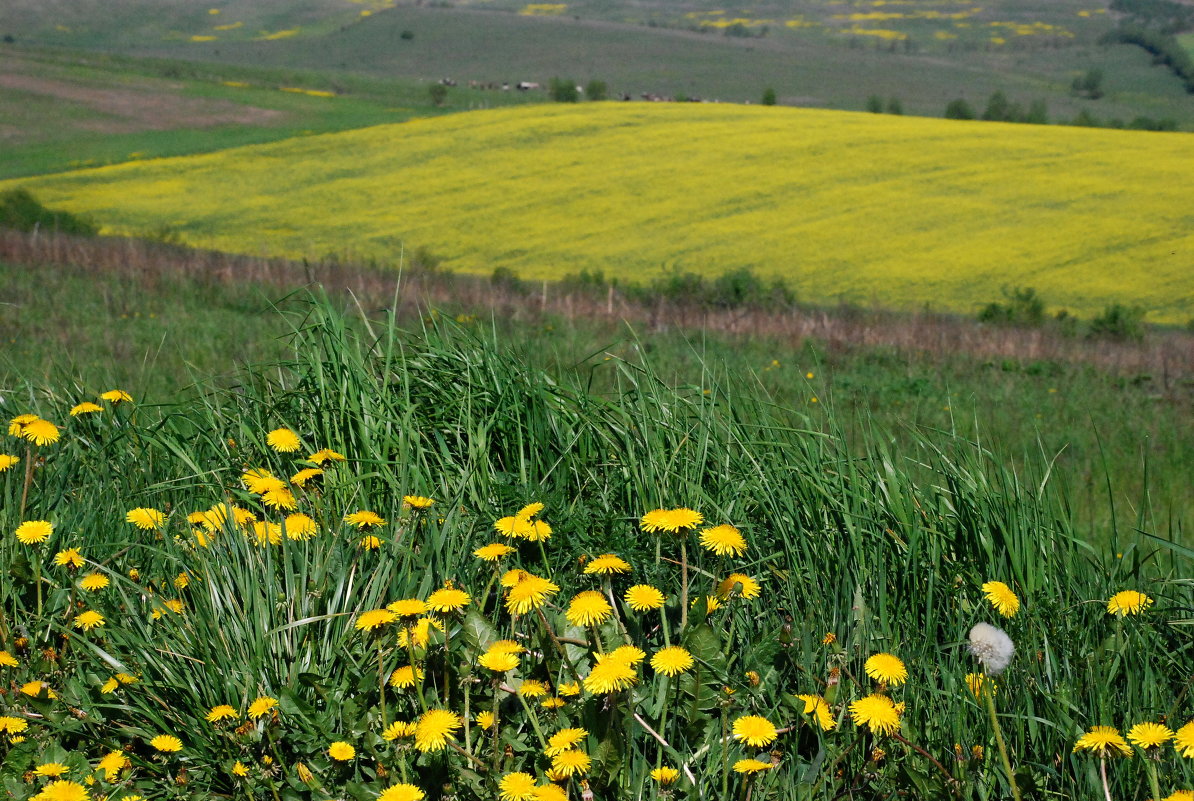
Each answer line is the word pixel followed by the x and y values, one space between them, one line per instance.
pixel 754 730
pixel 267 532
pixel 1149 735
pixel 610 675
pixel 375 618
pixel 571 763
pixel 1183 740
pixel 738 584
pixel 364 518
pixel 7 460
pixel 419 633
pixel 32 532
pixel 516 527
pixel 8 660
pixel 991 647
pixel 1002 598
pixel 417 501
pixel 280 498
pixel 877 713
pixel 977 682
pixel 723 540
pixel 326 455
pixel 88 620
pixel 86 407
pixel 672 521
pixel 564 740
pixel 606 564
pixel 643 598
pixel 448 599
pixel 221 712
pixel 94 582
pixel 262 705
pixel 115 396
pixel 751 766
pixel 371 543
pixel 529 594
pixel 260 481
pixel 532 688
pixel 672 661
pixel 435 728
pixel 408 607
pixel 405 677
pixel 485 720
pixel 341 751
pixel 517 787
pixel 145 518
pixel 401 792
pixel 493 552
pixel 166 743
pixel 63 791
pixel 398 729
pixel 569 689
pixel 283 440
pixel 40 432
pixel 299 527
pixel 238 769
pixel 820 710
pixel 665 775
pixel 497 662
pixel 1128 602
pixel 1103 741
pixel 301 478
pixel 886 668
pixel 588 608
pixel 51 769
pixel 11 725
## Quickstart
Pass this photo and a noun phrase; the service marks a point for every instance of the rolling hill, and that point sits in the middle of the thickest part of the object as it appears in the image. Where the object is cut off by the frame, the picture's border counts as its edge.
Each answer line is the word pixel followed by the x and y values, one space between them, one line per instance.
pixel 866 208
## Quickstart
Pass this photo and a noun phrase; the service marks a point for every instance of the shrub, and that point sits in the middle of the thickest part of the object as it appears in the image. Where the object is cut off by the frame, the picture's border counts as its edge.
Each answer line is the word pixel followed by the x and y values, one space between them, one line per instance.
pixel 1118 322
pixel 1022 306
pixel 20 210
pixel 438 93
pixel 596 90
pixel 894 106
pixel 959 110
pixel 563 90
pixel 768 96
pixel 874 104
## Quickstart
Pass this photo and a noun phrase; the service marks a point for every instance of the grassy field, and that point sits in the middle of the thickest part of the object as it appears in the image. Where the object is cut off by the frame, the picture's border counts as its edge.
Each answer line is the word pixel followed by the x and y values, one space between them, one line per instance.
pixel 866 208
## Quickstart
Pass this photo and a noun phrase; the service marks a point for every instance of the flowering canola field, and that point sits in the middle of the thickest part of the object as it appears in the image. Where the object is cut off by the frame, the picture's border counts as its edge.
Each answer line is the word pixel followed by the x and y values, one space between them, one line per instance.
pixel 323 589
pixel 903 211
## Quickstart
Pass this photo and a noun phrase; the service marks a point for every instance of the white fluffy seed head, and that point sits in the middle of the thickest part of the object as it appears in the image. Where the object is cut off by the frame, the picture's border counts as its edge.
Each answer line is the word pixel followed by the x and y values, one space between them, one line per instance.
pixel 991 647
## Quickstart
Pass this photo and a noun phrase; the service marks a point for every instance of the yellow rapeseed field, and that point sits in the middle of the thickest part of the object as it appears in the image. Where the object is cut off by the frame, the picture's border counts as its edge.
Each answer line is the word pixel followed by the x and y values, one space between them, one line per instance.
pixel 903 211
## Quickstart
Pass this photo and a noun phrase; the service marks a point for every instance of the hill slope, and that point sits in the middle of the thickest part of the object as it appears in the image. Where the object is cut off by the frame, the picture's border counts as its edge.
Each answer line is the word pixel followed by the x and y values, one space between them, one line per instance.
pixel 904 211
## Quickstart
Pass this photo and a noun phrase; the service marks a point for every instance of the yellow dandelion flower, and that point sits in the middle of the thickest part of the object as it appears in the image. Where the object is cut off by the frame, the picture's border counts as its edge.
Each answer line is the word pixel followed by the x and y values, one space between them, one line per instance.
pixel 978 681
pixel 1149 735
pixel 606 564
pixel 86 407
pixel 887 668
pixel 672 661
pixel 493 552
pixel 485 720
pixel 1183 740
pixel 408 607
pixel 829 639
pixel 819 708
pixel 506 647
pixel 514 527
pixel 88 620
pixel 63 790
pixel 166 743
pixel 7 460
pixel 497 662
pixel 564 740
pixel 261 706
pixel 341 751
pixel 877 713
pixel 145 518
pixel 1128 602
pixel 1002 598
pixel 571 763
pixel 240 769
pixel 588 608
pixel 1103 741
pixel 665 775
pixel 260 481
pixel 628 654
pixel 672 521
pixel 552 703
pixel 417 501
pixel 94 582
pixel 283 440
pixel 723 540
pixel 267 532
pixel 406 677
pixel 401 792
pixel 610 675
pixel 435 728
pixel 280 498
pixel 364 519
pixel 539 531
pixel 517 787
pixel 7 659
pixel 51 769
pixel 420 632
pixel 448 599
pixel 32 532
pixel 398 730
pixel 11 725
pixel 569 689
pixel 221 712
pixel 371 543
pixel 1180 795
pixel 529 511
pixel 643 598
pixel 375 618
pixel 532 688
pixel 754 730
pixel 751 766
pixel 299 527
pixel 326 455
pixel 115 396
pixel 738 584
pixel 40 432
pixel 305 475
pixel 529 594
pixel 110 686
pixel 112 763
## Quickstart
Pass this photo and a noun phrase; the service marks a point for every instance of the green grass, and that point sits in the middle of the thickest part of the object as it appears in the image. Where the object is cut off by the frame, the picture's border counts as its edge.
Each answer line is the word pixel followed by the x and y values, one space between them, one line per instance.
pixel 844 539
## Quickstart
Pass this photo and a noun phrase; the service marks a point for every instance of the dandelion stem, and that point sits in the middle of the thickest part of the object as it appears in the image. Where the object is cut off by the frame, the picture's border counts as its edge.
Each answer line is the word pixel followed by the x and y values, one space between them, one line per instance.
pixel 410 650
pixel 381 683
pixel 989 693
pixel 464 753
pixel 683 586
pixel 667 680
pixel 28 480
pixel 725 759
pixel 1103 776
pixel 556 641
pixel 1150 763
pixel 534 721
pixel 468 697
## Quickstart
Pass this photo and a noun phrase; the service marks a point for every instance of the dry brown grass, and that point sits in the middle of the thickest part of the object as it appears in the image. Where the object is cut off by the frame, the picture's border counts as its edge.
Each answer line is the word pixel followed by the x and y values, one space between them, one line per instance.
pixel 1167 355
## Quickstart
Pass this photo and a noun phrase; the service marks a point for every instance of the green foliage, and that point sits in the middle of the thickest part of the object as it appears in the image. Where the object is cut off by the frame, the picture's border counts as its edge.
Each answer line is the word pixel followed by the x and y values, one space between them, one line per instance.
pixel 1089 84
pixel 1118 322
pixel 874 104
pixel 1165 49
pixel 438 93
pixel 768 97
pixel 894 106
pixel 959 110
pixel 563 90
pixel 596 90
pixel 21 211
pixel 1022 306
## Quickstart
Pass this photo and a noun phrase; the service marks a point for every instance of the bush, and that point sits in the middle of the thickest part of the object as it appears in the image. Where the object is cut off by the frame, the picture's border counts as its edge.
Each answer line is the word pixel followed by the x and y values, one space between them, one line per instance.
pixel 20 210
pixel 563 90
pixel 874 104
pixel 1118 322
pixel 959 110
pixel 768 96
pixel 1022 306
pixel 438 93
pixel 505 278
pixel 596 90
pixel 407 35
pixel 894 106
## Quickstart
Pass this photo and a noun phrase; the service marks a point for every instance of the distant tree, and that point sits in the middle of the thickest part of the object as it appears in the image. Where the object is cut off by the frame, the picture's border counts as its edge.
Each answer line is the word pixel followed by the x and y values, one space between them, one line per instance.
pixel 596 90
pixel 1085 120
pixel 997 108
pixel 1038 113
pixel 20 210
pixel 1089 85
pixel 894 106
pixel 563 90
pixel 768 96
pixel 1022 306
pixel 438 93
pixel 407 35
pixel 959 110
pixel 874 104
pixel 1118 322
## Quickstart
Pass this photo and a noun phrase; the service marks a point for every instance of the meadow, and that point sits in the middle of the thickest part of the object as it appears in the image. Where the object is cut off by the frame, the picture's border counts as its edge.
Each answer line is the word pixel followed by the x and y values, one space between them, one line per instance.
pixel 864 208
pixel 402 563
